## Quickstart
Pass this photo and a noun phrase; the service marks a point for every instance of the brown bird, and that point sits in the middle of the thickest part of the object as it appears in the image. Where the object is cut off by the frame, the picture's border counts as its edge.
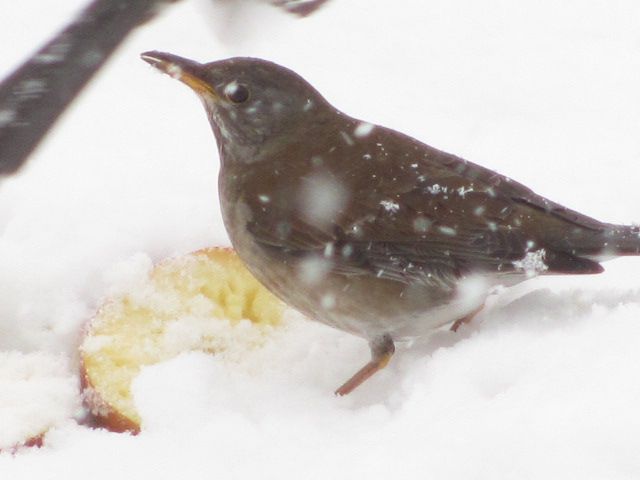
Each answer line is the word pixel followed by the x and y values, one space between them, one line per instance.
pixel 364 228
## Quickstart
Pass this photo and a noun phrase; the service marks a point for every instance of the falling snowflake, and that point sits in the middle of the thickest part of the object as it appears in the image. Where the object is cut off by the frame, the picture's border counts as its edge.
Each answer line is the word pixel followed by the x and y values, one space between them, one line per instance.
pixel 363 129
pixel 308 105
pixel 328 301
pixel 462 191
pixel 447 231
pixel 436 189
pixel 328 249
pixel 347 139
pixel 421 224
pixel 6 117
pixel 313 270
pixel 390 206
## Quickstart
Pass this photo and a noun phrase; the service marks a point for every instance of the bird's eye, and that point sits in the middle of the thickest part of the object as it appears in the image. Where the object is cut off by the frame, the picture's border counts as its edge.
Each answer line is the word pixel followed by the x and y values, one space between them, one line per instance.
pixel 236 92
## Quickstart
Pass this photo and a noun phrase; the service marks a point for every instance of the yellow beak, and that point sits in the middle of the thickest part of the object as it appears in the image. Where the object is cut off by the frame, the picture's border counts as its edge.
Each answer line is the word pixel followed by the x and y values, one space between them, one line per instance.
pixel 187 71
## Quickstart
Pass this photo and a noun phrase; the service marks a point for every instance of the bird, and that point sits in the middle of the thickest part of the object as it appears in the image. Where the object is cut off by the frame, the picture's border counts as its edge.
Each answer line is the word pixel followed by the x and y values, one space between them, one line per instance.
pixel 366 229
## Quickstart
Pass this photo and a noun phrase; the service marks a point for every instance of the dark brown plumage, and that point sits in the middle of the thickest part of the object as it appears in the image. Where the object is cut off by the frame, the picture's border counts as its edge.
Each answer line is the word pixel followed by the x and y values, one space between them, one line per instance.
pixel 364 228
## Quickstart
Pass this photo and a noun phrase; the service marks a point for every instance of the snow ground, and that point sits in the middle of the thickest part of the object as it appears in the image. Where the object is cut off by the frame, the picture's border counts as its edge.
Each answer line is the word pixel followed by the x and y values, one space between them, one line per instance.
pixel 542 385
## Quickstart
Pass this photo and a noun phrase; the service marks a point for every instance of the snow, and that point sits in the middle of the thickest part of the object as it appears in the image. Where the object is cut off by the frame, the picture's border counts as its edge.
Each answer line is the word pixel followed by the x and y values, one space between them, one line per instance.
pixel 30 87
pixel 363 129
pixel 320 197
pixel 36 390
pixel 533 263
pixel 540 385
pixel 445 230
pixel 421 224
pixel 6 116
pixel 436 189
pixel 462 191
pixel 54 53
pixel 347 139
pixel 390 206
pixel 313 270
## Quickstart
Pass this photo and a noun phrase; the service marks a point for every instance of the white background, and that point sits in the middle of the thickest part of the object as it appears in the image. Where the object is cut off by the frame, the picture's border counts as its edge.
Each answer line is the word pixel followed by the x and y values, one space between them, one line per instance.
pixel 544 384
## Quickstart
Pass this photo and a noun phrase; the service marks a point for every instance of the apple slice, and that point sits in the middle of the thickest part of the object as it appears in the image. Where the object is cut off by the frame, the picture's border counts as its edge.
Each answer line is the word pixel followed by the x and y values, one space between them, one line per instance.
pixel 206 301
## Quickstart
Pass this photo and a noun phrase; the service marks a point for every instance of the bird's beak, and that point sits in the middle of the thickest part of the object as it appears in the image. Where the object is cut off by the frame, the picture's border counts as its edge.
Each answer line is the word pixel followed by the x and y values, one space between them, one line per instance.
pixel 187 71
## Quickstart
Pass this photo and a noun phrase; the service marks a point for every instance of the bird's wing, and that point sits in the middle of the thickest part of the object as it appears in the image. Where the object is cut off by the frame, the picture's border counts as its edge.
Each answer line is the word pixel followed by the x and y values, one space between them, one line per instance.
pixel 436 216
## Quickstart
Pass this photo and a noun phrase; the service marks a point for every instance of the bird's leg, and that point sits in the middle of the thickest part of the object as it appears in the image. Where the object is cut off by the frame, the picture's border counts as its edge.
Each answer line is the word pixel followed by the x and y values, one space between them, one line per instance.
pixel 466 319
pixel 382 349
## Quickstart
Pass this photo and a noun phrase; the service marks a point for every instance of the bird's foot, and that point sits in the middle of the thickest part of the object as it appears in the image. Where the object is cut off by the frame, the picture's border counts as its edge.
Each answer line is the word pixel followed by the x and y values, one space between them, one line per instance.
pixel 382 349
pixel 466 319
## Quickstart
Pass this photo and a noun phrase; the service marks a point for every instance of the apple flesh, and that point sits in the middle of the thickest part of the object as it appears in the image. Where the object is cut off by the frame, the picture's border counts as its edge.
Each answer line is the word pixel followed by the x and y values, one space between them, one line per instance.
pixel 194 302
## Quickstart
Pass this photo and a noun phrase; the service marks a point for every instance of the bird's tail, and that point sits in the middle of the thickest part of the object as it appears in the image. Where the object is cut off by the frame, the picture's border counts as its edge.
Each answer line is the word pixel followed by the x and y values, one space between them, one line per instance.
pixel 581 251
pixel 620 240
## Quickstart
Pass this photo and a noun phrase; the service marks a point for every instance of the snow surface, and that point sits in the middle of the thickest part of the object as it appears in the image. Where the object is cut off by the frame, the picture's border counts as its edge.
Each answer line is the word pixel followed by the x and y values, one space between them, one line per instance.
pixel 543 384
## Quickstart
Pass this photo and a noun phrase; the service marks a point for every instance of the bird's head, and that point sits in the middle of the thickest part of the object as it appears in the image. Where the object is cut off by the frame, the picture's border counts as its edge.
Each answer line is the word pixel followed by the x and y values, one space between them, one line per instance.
pixel 249 101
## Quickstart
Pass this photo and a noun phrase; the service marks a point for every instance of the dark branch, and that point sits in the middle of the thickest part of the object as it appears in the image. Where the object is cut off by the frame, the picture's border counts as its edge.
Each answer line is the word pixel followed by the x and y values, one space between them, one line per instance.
pixel 34 96
pixel 300 7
